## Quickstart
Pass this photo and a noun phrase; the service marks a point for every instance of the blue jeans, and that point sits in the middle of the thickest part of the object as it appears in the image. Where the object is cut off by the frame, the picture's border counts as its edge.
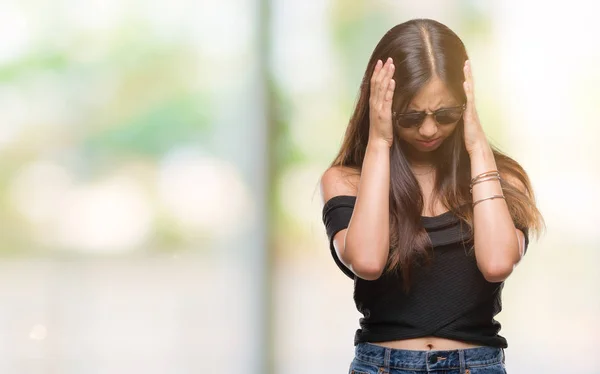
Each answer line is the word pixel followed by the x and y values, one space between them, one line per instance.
pixel 374 359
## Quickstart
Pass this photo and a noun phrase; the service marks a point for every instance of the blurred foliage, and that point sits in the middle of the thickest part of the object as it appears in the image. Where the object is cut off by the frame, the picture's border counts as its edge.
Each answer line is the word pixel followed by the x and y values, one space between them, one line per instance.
pixel 355 31
pixel 35 61
pixel 152 132
pixel 128 96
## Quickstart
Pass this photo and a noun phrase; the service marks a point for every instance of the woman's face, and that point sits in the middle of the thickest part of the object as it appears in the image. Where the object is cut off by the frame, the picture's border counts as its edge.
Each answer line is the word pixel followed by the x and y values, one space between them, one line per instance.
pixel 429 135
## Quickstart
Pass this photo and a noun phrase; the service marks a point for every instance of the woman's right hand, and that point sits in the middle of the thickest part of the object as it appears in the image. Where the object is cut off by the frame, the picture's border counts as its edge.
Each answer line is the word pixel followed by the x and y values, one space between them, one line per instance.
pixel 380 102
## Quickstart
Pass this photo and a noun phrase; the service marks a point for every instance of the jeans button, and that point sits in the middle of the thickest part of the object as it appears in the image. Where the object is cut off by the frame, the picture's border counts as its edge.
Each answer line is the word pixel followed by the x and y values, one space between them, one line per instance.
pixel 433 359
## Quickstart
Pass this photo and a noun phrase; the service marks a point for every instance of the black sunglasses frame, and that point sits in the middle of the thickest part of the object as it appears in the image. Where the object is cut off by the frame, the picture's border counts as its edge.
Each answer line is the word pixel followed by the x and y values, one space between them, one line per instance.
pixel 423 114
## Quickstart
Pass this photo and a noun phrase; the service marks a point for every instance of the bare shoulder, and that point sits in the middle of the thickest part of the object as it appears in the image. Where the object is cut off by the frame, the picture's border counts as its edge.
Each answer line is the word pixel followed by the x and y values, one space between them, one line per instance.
pixel 337 181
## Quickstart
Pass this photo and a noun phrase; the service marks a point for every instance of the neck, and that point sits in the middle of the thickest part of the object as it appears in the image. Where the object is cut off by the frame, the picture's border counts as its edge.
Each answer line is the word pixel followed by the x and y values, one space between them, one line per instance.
pixel 420 160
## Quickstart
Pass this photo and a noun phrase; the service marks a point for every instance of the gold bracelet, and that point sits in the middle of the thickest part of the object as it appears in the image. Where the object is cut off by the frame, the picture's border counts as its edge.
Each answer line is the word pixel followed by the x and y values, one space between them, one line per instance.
pixel 489 198
pixel 486 174
pixel 485 179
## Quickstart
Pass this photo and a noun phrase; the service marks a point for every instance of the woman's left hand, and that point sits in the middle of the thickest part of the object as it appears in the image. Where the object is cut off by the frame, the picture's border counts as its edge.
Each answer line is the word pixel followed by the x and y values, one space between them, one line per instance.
pixel 474 136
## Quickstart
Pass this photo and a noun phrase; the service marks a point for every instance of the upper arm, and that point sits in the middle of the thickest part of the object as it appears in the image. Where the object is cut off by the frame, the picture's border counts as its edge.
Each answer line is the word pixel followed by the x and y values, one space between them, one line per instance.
pixel 339 181
pixel 522 242
pixel 516 183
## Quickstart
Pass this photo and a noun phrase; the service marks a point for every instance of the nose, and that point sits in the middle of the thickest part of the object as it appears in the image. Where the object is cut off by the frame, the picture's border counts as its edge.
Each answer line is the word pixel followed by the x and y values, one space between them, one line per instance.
pixel 429 128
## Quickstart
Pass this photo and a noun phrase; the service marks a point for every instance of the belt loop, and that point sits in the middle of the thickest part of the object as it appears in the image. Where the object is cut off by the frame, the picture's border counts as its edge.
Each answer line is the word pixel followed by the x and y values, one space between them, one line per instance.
pixel 386 359
pixel 461 358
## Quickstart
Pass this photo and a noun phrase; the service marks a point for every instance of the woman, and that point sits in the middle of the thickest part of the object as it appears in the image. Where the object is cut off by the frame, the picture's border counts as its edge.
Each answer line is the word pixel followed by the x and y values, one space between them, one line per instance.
pixel 424 215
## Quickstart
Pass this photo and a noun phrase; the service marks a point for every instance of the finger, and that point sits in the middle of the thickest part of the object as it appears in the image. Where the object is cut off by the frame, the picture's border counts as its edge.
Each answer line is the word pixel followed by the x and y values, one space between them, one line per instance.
pixel 374 76
pixel 469 75
pixel 386 81
pixel 378 67
pixel 469 95
pixel 389 96
pixel 383 71
pixel 468 84
pixel 383 79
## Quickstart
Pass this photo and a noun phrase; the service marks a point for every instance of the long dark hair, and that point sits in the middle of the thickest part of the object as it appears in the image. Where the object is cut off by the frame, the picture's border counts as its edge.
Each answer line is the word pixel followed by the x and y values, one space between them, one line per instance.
pixel 422 49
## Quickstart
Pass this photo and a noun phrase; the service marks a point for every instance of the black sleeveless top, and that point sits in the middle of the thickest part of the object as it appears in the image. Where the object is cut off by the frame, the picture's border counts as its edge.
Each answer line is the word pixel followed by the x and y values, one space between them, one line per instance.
pixel 449 298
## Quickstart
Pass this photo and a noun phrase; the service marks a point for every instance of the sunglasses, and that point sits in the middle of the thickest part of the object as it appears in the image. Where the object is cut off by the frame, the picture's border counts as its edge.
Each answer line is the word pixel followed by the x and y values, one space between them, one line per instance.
pixel 442 116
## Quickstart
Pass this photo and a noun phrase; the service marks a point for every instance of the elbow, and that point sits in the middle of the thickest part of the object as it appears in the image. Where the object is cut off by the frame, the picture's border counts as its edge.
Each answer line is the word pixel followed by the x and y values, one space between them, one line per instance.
pixel 496 263
pixel 497 271
pixel 369 262
pixel 368 269
pixel 367 265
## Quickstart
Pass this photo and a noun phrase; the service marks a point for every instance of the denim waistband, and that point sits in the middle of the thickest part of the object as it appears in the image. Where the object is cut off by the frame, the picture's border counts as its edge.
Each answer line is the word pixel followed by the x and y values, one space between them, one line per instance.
pixel 428 360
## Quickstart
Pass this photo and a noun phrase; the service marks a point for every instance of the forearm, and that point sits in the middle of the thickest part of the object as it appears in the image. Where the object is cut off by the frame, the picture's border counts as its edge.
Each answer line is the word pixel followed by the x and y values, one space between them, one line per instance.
pixel 367 239
pixel 496 242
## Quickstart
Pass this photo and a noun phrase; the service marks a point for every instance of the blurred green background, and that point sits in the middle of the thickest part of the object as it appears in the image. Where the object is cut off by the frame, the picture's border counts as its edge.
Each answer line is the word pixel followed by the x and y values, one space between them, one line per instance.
pixel 159 168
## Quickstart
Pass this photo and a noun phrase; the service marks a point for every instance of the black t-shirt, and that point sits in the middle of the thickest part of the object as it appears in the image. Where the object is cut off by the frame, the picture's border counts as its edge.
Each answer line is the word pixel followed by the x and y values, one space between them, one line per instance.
pixel 449 298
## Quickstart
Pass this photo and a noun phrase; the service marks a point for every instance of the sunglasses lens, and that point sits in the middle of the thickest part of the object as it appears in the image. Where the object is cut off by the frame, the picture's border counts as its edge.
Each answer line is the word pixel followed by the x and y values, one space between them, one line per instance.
pixel 448 116
pixel 411 119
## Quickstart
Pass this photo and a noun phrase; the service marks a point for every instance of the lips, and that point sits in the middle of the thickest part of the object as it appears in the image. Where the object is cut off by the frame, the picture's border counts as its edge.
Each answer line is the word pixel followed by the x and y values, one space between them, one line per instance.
pixel 430 143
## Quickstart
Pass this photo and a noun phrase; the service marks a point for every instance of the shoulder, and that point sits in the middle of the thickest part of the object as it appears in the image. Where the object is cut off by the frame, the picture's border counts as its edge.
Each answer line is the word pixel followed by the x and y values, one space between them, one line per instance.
pixel 337 181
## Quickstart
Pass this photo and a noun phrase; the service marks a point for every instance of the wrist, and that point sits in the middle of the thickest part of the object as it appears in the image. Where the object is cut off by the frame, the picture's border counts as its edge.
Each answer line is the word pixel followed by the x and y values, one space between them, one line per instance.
pixel 482 160
pixel 379 143
pixel 480 147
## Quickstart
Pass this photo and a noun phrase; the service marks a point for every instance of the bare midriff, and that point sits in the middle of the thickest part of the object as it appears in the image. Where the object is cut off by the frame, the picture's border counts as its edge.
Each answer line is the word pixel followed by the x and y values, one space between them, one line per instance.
pixel 426 344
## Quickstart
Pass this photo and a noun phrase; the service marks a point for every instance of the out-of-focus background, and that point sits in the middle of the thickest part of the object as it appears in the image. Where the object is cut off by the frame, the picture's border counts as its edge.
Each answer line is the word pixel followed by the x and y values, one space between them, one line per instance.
pixel 159 167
